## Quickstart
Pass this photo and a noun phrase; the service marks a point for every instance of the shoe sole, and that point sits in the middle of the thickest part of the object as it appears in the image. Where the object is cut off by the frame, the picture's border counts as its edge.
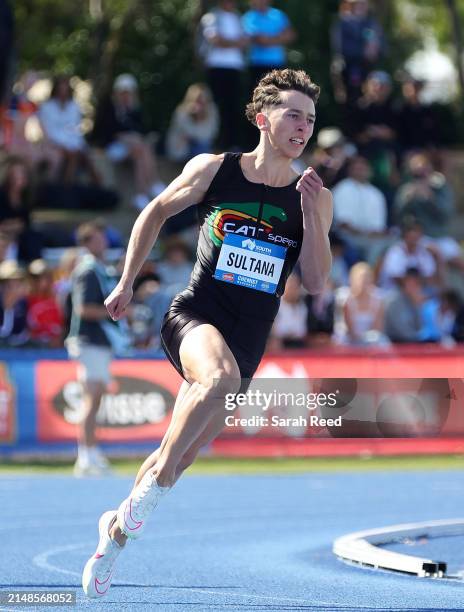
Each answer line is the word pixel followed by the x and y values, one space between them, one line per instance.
pixel 88 579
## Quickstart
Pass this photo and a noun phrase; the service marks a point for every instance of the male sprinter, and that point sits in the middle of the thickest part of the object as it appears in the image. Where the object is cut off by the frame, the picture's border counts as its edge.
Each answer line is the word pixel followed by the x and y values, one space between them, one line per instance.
pixel 257 217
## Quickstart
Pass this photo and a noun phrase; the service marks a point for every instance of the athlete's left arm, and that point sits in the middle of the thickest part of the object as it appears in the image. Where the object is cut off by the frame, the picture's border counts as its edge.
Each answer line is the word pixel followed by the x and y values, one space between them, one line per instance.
pixel 317 207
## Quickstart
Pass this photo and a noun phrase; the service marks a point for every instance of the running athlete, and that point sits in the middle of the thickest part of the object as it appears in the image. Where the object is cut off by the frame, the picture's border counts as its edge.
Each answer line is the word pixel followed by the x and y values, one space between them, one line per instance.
pixel 257 218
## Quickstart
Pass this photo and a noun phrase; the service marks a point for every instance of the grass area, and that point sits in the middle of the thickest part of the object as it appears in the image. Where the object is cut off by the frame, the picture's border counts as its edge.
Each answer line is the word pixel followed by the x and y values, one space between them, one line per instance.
pixel 284 465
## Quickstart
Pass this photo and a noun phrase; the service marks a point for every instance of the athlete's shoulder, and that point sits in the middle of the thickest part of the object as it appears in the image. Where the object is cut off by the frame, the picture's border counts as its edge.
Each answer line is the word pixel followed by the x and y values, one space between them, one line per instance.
pixel 205 162
pixel 200 171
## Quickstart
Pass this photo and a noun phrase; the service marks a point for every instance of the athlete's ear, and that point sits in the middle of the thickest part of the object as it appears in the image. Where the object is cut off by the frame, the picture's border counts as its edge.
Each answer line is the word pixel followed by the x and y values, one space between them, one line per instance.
pixel 262 122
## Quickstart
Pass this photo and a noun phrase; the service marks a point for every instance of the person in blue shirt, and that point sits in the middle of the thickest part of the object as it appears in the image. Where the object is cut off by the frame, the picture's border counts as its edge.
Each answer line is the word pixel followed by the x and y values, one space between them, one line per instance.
pixel 270 31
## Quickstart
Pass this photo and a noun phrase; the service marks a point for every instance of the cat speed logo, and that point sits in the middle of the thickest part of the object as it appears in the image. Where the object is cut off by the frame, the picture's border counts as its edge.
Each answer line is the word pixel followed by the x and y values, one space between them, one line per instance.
pixel 241 218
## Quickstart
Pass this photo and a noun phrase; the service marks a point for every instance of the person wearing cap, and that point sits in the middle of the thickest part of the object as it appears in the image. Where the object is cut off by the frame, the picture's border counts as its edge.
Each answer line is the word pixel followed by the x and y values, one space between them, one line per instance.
pixel 119 129
pixel 331 156
pixel 13 305
pixel 357 45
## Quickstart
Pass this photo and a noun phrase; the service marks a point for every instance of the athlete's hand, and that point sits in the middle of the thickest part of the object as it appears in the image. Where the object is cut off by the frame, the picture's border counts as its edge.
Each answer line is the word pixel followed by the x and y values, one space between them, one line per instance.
pixel 118 300
pixel 309 185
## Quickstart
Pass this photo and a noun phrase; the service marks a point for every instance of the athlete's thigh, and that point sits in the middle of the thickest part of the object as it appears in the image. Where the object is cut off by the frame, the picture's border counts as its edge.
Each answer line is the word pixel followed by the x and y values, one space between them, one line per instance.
pixel 204 352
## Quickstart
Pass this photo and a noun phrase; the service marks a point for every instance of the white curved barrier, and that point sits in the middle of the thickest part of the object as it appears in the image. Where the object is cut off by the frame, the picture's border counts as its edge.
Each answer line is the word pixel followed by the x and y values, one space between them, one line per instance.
pixel 363 547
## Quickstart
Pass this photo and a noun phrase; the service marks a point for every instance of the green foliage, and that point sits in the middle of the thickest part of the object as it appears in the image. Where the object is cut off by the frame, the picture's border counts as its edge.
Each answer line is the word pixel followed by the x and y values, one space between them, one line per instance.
pixel 153 39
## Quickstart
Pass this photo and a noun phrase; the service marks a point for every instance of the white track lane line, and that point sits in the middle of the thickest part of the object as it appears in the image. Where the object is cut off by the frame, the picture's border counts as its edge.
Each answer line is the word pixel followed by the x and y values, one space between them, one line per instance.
pixel 42 561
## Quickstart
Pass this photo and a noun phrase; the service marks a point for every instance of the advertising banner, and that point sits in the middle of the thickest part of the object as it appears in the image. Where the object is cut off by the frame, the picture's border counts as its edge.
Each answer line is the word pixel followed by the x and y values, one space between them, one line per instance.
pixel 136 407
pixel 291 397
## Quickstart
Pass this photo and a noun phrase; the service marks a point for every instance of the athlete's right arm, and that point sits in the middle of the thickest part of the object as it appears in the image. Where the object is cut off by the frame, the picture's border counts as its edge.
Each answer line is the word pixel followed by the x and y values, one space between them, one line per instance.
pixel 187 189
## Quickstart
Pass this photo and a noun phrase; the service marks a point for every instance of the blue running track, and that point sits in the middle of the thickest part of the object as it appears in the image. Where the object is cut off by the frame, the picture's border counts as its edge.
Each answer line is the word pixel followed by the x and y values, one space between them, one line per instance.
pixel 223 543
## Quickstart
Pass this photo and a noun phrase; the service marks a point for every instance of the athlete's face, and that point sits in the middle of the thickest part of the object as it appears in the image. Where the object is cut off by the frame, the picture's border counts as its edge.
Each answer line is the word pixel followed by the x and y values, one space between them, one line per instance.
pixel 290 125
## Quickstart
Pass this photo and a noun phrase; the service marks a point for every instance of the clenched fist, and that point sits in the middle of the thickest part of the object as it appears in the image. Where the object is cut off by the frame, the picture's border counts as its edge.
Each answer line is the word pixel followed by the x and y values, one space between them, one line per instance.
pixel 118 300
pixel 309 186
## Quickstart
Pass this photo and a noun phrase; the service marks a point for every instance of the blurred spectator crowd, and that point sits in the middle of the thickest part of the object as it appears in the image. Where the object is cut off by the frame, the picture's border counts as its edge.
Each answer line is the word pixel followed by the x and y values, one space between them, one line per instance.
pixel 398 263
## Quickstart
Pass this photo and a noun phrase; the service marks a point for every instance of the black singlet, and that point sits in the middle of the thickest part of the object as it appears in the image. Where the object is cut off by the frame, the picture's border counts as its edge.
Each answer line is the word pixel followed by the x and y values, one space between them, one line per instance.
pixel 244 316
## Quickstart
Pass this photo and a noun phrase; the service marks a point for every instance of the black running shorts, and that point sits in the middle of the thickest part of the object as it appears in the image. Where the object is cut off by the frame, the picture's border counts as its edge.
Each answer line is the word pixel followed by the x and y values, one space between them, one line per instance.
pixel 246 336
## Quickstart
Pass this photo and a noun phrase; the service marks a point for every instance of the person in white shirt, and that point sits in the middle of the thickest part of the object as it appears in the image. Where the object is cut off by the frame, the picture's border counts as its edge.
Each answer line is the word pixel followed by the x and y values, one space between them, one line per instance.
pixel 60 118
pixel 363 309
pixel 194 125
pixel 223 54
pixel 412 251
pixel 290 328
pixel 360 211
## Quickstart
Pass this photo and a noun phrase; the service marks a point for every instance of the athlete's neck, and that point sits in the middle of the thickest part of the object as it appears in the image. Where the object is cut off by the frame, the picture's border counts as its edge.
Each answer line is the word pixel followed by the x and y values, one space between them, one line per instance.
pixel 268 166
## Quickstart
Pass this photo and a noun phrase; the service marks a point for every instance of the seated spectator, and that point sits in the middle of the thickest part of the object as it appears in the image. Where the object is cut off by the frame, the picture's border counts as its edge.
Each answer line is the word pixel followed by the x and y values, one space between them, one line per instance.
pixel 13 305
pixel 20 110
pixel 176 266
pixel 321 315
pixel 44 315
pixel 360 211
pixel 372 126
pixel 60 118
pixel 340 268
pixel 357 45
pixel 427 197
pixel 418 124
pixel 363 310
pixel 14 210
pixel 149 306
pixel 451 317
pixel 331 157
pixel 411 252
pixel 411 316
pixel 119 129
pixel 290 325
pixel 194 126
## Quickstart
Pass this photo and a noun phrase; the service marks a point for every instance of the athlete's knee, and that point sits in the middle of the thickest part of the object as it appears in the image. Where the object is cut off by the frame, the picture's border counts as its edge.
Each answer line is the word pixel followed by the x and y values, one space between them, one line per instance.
pixel 223 381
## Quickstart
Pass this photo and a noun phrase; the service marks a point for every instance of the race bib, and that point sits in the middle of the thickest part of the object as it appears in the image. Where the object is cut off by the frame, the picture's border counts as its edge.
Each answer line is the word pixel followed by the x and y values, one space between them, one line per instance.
pixel 250 263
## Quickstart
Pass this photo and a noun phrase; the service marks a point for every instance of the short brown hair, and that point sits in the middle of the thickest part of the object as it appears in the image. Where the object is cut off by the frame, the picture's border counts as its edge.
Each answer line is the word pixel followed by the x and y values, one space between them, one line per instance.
pixel 269 88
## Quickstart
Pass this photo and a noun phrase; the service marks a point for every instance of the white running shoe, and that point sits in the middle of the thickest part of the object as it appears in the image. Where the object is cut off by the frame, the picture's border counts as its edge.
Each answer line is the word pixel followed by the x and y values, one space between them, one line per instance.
pixel 134 510
pixel 98 571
